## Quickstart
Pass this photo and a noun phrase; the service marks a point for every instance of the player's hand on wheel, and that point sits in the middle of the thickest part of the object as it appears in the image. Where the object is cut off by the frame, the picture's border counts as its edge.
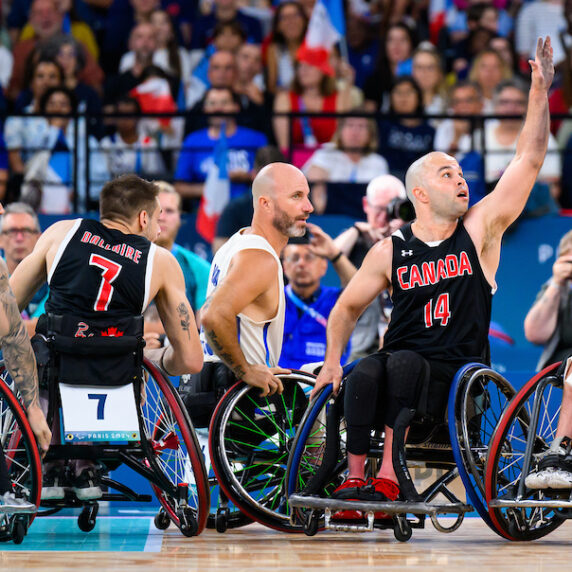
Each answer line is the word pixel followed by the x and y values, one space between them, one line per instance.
pixel 328 374
pixel 263 377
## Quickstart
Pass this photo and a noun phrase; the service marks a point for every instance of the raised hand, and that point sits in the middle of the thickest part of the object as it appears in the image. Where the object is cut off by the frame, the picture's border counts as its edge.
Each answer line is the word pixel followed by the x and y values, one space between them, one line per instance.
pixel 543 65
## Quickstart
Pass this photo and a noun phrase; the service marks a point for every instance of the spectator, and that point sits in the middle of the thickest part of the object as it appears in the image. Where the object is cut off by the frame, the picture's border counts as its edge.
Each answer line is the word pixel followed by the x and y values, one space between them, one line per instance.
pixel 500 142
pixel 53 168
pixel 363 47
pixel 143 43
pixel 308 302
pixel 405 139
pixel 350 158
pixel 394 60
pixel 195 269
pixel 288 31
pixel 355 243
pixel 548 320
pixel 198 148
pixel 461 136
pixel 224 11
pixel 427 71
pixel 47 22
pixel 19 232
pixel 23 134
pixel 129 150
pixel 238 212
pixel 313 90
pixel 488 70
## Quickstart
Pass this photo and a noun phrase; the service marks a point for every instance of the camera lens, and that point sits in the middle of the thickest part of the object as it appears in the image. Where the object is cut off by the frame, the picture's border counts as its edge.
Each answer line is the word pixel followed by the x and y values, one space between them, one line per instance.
pixel 401 208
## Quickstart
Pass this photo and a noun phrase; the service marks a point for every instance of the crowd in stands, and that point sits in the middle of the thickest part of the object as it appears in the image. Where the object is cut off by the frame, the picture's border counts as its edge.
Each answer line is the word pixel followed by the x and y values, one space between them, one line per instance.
pixel 189 91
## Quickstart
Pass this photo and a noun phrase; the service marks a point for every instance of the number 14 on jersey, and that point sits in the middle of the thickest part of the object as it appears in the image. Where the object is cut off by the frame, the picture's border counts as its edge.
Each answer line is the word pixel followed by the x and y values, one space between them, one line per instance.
pixel 438 311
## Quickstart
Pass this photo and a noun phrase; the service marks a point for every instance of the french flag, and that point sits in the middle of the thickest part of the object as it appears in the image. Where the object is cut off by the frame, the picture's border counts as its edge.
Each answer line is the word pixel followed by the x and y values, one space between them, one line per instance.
pixel 216 191
pixel 154 96
pixel 327 24
pixel 438 17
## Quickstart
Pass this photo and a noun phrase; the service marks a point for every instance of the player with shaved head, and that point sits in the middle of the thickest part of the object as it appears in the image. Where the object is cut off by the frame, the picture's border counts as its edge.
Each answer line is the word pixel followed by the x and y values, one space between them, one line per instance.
pixel 440 270
pixel 243 317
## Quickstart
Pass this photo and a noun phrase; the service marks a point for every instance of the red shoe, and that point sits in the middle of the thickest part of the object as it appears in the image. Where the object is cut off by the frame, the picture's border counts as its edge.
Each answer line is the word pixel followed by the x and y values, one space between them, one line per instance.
pixel 344 492
pixel 382 490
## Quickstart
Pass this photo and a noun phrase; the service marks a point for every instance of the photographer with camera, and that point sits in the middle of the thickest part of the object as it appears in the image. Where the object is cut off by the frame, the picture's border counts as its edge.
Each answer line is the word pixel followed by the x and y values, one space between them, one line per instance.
pixel 386 208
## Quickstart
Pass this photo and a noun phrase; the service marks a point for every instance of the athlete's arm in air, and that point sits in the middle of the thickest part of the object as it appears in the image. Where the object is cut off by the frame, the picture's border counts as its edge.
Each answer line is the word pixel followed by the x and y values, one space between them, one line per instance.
pixel 20 360
pixel 373 277
pixel 250 287
pixel 488 219
pixel 184 354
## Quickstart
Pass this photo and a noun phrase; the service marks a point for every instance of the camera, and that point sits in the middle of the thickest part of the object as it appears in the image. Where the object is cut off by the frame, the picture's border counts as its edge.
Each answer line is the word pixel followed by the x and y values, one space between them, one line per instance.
pixel 401 208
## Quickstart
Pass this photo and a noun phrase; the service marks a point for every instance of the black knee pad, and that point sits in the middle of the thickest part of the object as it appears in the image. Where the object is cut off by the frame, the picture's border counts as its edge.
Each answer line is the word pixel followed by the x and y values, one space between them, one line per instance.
pixel 406 372
pixel 360 402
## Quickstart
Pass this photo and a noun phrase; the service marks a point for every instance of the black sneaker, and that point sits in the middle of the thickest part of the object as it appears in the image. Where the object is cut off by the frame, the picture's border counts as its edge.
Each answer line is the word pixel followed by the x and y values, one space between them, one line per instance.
pixel 53 484
pixel 86 485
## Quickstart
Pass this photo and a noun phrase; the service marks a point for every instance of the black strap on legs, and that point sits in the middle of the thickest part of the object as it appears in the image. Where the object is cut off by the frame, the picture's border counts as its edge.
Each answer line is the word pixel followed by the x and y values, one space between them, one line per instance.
pixel 408 490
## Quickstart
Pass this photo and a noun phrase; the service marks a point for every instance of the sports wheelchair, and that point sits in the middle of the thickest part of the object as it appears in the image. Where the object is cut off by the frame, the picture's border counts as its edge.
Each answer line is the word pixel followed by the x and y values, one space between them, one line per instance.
pixel 22 460
pixel 117 408
pixel 524 433
pixel 318 462
pixel 250 438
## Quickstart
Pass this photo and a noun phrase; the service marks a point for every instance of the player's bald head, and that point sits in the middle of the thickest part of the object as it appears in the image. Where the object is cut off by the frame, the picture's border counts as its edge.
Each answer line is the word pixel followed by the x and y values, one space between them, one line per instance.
pixel 272 177
pixel 415 176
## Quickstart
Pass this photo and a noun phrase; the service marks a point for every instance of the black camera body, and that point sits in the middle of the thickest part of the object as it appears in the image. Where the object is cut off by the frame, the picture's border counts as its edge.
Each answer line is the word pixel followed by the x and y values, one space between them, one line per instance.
pixel 401 208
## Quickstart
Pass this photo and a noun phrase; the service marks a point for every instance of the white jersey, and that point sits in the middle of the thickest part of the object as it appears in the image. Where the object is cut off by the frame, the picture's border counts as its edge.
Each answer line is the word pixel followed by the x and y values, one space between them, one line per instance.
pixel 260 342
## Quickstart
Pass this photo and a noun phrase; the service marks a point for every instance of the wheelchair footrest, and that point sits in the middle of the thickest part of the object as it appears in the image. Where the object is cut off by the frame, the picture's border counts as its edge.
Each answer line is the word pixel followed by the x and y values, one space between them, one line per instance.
pixel 347 526
pixel 389 507
pixel 527 503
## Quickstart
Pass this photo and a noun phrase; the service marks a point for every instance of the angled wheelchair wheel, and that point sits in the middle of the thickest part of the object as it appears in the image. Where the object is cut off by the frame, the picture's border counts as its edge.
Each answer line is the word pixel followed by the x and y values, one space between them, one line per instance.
pixel 250 438
pixel 173 453
pixel 525 430
pixel 477 398
pixel 19 445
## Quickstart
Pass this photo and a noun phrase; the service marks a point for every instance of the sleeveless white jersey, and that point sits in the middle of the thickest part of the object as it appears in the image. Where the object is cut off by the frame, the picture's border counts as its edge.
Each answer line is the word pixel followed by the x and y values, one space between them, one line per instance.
pixel 260 342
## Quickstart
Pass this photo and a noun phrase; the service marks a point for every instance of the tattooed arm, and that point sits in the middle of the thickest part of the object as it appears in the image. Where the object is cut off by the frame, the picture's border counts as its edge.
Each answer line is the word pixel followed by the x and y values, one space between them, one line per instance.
pixel 250 287
pixel 184 354
pixel 19 358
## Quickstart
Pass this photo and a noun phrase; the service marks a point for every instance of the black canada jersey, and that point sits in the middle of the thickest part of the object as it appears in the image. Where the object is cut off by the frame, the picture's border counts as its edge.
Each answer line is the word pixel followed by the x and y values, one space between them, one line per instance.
pixel 441 298
pixel 100 271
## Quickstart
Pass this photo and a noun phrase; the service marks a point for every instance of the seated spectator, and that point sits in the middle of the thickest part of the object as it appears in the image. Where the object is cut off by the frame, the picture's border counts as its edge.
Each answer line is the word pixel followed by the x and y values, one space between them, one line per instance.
pixel 168 55
pixel 238 212
pixel 313 90
pixel 355 243
pixel 548 320
pixel 143 43
pixel 500 143
pixel 308 303
pixel 69 54
pixel 195 269
pixel 199 147
pixel 350 158
pixel 461 137
pixel 224 11
pixel 363 47
pixel 52 171
pixel 405 139
pixel 23 134
pixel 19 232
pixel 129 150
pixel 46 21
pixel 427 71
pixel 394 60
pixel 288 31
pixel 488 70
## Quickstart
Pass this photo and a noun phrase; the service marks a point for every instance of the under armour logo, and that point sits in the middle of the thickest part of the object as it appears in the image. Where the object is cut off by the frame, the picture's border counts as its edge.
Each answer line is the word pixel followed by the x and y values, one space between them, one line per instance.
pixel 407 253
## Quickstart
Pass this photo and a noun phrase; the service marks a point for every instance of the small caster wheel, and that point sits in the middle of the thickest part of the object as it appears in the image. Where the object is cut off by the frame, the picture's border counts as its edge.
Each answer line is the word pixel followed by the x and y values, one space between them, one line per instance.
pixel 86 519
pixel 402 529
pixel 311 522
pixel 187 522
pixel 19 530
pixel 221 519
pixel 162 520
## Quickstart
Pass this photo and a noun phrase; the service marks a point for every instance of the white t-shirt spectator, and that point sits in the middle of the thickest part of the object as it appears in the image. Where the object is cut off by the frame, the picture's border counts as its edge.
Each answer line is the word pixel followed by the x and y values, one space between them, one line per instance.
pixel 341 168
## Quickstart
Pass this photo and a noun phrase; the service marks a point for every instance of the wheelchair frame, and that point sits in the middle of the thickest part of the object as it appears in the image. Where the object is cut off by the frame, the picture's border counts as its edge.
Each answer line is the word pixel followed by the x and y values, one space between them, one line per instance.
pixel 470 431
pixel 524 432
pixel 22 459
pixel 167 455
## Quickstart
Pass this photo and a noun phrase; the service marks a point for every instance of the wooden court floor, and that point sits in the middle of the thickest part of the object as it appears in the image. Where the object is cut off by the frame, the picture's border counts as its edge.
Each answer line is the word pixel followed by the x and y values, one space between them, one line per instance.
pixel 254 548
